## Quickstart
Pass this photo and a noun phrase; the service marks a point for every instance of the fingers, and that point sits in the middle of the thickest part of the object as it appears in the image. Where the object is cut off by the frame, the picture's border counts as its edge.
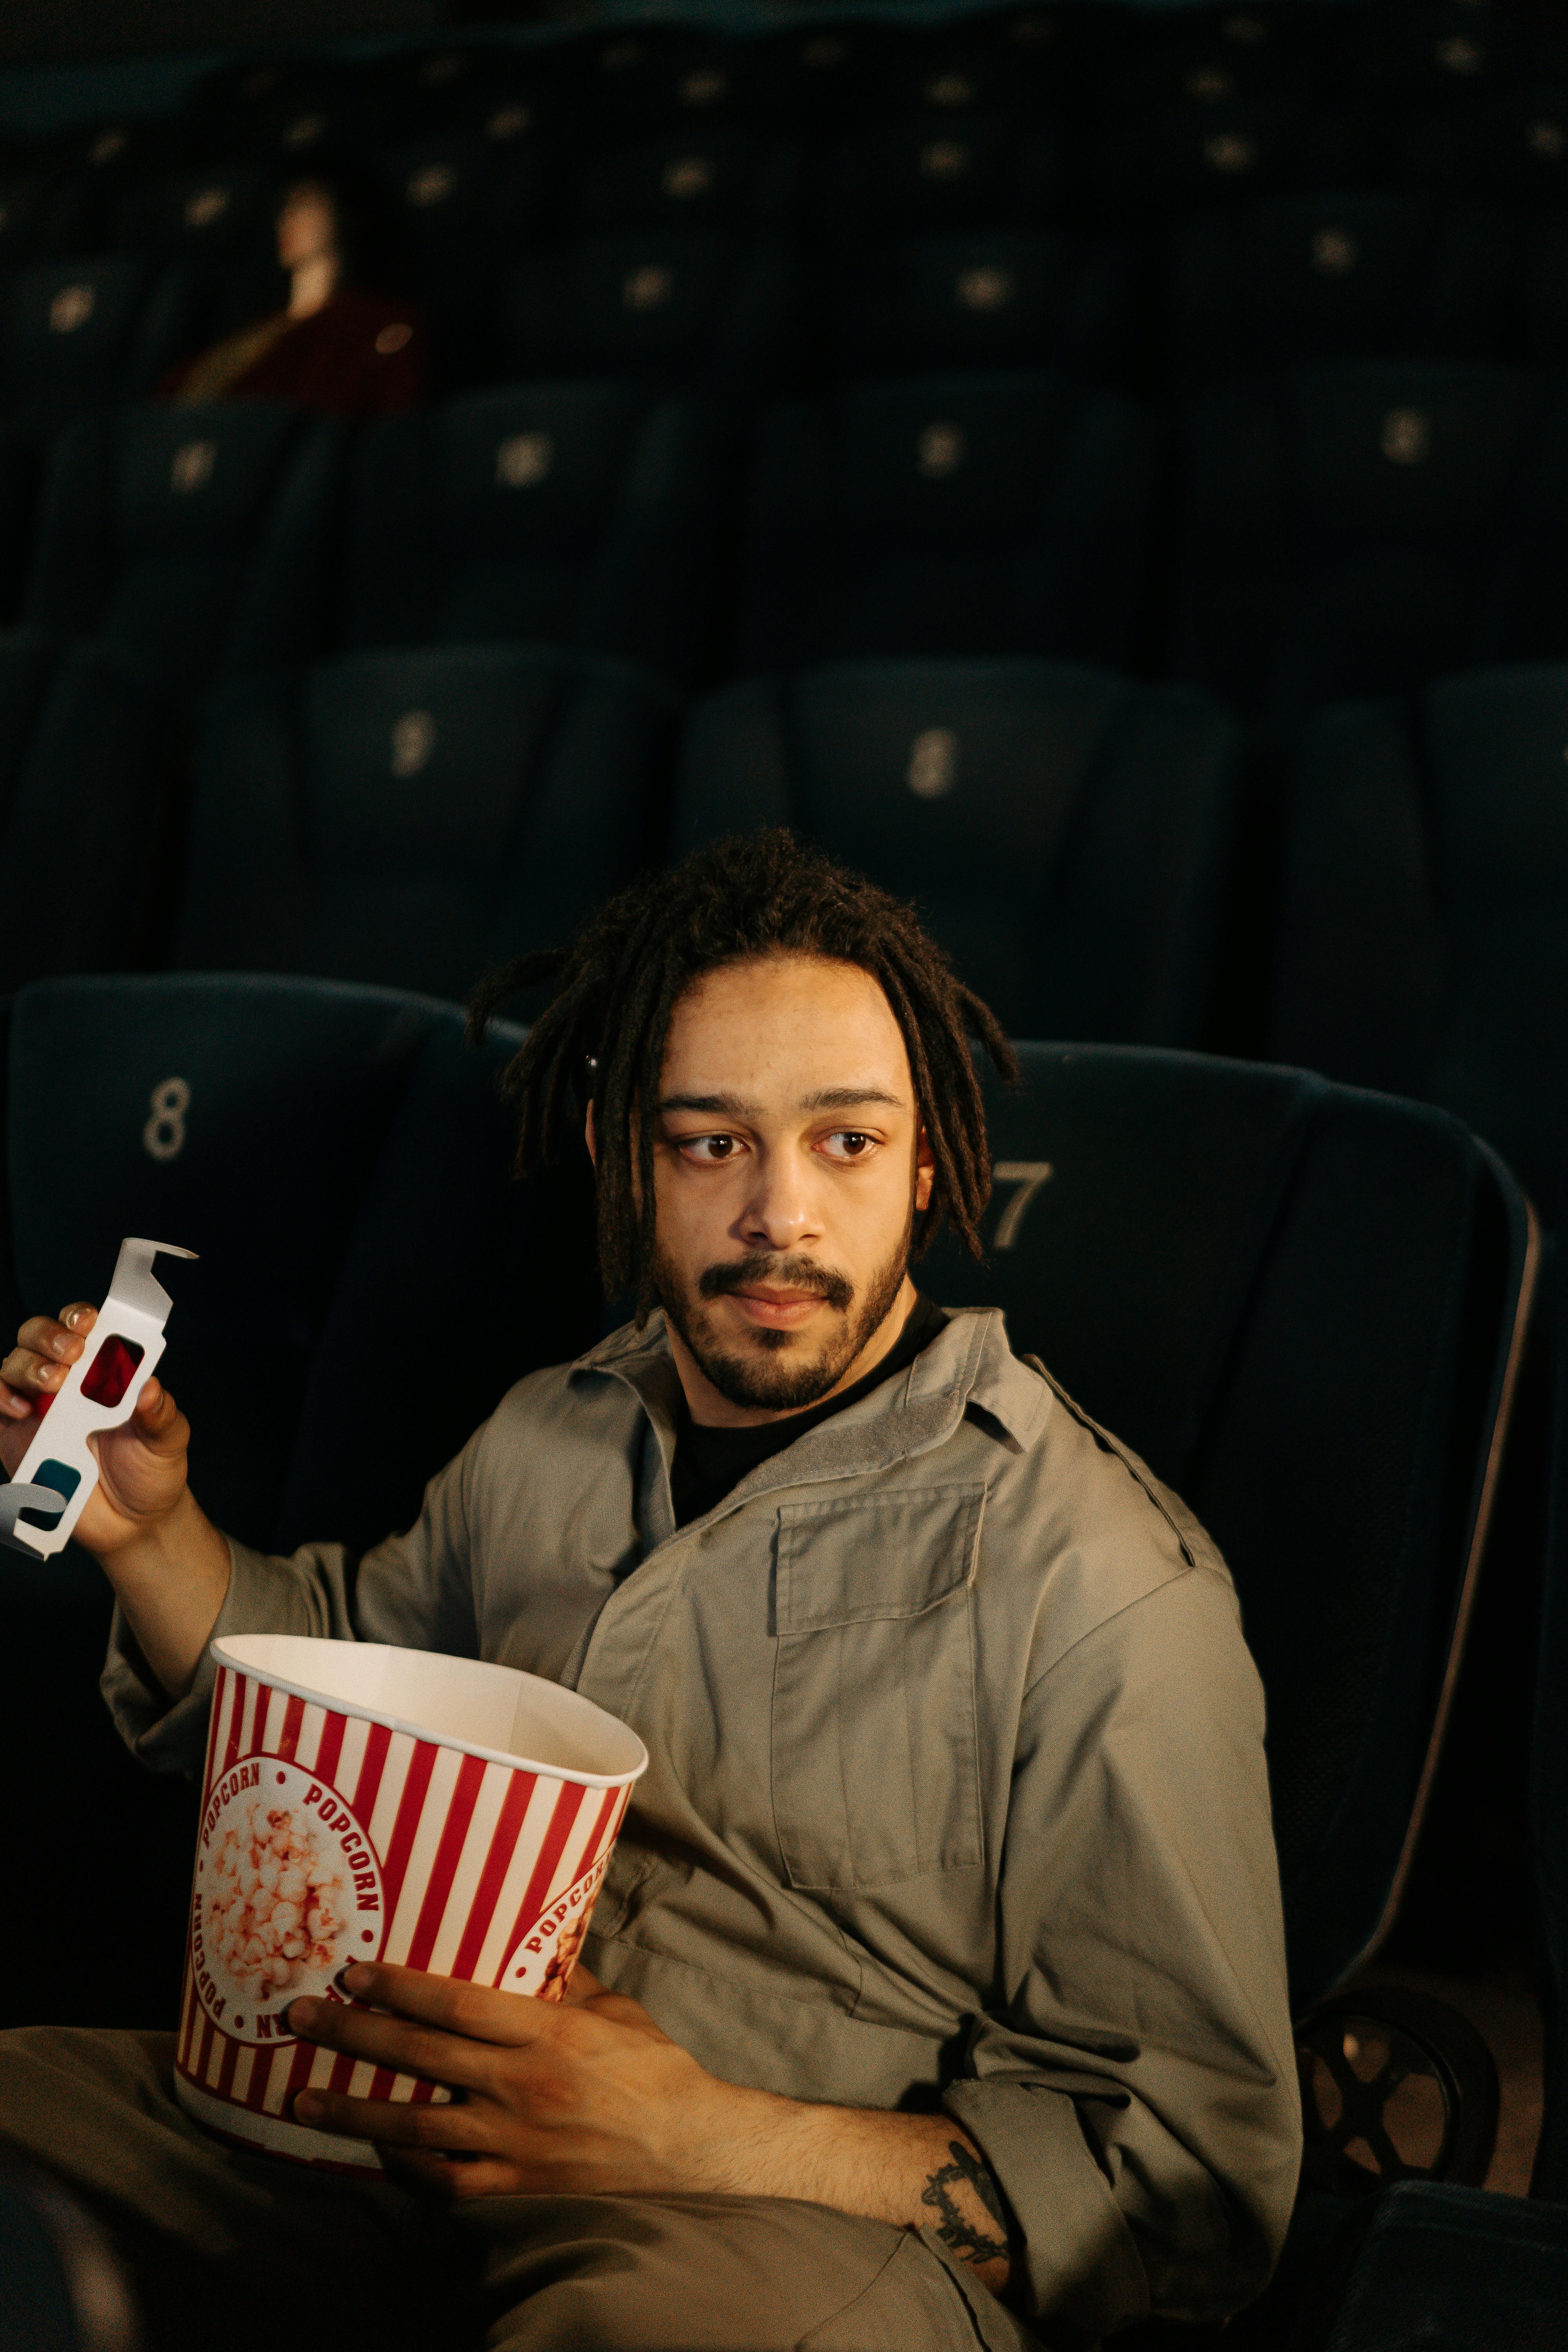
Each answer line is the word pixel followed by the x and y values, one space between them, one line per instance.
pixel 511 2020
pixel 44 1351
pixel 158 1421
pixel 420 2049
pixel 457 2178
pixel 393 2123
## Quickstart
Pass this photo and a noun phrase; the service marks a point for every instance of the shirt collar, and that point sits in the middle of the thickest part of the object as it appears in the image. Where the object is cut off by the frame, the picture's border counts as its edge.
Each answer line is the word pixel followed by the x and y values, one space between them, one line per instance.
pixel 967 1364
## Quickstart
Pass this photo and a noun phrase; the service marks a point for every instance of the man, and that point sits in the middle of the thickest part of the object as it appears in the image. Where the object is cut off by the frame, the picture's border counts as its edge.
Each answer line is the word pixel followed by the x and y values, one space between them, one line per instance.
pixel 947 1997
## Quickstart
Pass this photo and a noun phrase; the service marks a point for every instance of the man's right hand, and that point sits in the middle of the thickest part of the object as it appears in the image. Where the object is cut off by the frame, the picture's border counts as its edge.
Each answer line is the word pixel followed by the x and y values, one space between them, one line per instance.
pixel 140 1467
pixel 168 1564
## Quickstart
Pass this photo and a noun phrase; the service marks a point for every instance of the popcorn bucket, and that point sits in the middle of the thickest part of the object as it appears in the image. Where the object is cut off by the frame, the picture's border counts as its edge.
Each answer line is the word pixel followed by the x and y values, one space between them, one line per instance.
pixel 368 1803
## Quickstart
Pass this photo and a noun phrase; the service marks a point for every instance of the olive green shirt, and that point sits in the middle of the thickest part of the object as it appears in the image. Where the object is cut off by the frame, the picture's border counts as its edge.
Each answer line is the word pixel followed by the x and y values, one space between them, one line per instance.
pixel 957 1793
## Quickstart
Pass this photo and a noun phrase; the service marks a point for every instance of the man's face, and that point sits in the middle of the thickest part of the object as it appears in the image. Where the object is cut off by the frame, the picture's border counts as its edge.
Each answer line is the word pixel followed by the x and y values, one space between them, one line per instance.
pixel 788 1168
pixel 307 226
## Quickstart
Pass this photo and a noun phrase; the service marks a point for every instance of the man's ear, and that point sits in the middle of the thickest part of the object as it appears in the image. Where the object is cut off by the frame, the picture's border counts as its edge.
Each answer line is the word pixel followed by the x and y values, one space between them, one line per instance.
pixel 925 1171
pixel 591 1138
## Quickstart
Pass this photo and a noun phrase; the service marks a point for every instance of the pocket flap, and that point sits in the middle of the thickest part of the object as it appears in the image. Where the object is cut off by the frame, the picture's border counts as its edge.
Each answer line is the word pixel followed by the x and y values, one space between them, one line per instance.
pixel 855 1557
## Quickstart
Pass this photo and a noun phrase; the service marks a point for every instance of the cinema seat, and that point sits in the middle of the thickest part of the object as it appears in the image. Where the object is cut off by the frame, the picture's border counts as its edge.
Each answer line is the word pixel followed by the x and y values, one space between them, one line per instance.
pixel 26 661
pixel 194 539
pixel 1549 1783
pixel 342 1162
pixel 79 334
pixel 585 513
pixel 1331 276
pixel 89 816
pixel 1302 1307
pixel 414 817
pixel 1065 832
pixel 1423 923
pixel 1205 158
pixel 39 214
pixel 712 179
pixel 984 513
pixel 1361 526
pixel 19 502
pixel 942 174
pixel 987 299
pixel 671 306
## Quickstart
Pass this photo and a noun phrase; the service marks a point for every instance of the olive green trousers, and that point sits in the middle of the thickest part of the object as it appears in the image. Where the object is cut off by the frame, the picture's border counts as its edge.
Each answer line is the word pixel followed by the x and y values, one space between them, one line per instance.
pixel 227 2250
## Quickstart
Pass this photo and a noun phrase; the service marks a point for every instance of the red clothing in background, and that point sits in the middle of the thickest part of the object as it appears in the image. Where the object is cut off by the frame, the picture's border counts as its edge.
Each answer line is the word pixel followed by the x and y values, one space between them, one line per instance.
pixel 360 355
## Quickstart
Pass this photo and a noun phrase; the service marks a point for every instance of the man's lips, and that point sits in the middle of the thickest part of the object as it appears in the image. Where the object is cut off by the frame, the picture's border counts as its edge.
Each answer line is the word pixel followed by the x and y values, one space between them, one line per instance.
pixel 776 1310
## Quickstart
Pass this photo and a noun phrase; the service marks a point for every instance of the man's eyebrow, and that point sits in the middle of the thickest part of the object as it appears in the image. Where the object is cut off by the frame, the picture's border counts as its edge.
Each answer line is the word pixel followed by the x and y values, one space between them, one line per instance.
pixel 736 1107
pixel 850 1099
pixel 716 1105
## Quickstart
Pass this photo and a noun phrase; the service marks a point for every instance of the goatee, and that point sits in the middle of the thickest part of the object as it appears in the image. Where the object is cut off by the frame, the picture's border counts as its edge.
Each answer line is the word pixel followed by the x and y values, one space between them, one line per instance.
pixel 772 1372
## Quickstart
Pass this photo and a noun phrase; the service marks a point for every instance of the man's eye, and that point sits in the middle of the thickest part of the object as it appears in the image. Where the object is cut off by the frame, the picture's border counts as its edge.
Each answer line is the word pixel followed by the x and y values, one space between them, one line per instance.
pixel 850 1144
pixel 708 1148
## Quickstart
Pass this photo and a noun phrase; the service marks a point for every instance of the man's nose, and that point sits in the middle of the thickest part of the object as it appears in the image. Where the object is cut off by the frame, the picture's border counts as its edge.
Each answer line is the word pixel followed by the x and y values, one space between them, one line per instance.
pixel 780 1209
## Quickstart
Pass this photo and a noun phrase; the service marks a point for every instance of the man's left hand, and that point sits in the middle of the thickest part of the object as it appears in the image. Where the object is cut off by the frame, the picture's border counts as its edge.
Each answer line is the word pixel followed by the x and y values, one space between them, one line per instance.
pixel 577 2095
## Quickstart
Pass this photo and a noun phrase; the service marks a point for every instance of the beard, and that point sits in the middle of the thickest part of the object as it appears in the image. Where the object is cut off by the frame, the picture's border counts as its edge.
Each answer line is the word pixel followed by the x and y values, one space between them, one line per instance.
pixel 779 1371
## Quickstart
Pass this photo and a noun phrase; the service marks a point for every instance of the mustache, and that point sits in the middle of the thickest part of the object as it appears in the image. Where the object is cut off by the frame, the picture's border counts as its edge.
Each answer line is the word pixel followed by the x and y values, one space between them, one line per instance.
pixel 784 1273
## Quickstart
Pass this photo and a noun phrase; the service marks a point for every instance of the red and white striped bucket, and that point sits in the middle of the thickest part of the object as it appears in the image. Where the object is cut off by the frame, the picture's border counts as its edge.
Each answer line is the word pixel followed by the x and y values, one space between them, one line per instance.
pixel 368 1803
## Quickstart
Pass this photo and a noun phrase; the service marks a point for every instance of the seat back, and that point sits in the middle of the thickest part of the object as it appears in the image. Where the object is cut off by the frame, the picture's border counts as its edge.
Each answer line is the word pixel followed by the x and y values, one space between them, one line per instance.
pixel 686 305
pixel 1361 526
pixel 938 173
pixel 1549 1777
pixel 984 513
pixel 341 1162
pixel 696 178
pixel 89 815
pixel 1065 832
pixel 81 334
pixel 1322 276
pixel 416 817
pixel 585 513
pixel 193 540
pixel 1423 934
pixel 1304 1306
pixel 994 299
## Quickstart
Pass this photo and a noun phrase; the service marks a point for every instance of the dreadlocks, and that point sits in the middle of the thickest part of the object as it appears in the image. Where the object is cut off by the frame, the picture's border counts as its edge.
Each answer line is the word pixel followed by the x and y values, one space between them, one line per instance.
pixel 601 1036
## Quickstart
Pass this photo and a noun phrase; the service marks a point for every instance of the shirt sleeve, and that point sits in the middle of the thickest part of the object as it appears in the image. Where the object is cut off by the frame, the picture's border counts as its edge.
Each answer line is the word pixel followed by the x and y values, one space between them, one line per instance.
pixel 414 1590
pixel 1135 2095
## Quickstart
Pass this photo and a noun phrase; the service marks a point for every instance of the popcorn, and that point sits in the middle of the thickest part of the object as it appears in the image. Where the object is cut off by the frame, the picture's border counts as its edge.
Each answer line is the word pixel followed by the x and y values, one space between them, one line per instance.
pixel 279 1901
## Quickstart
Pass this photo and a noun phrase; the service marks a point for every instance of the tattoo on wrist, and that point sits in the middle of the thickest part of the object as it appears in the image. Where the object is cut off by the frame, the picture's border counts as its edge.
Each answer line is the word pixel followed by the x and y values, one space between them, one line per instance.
pixel 971 2242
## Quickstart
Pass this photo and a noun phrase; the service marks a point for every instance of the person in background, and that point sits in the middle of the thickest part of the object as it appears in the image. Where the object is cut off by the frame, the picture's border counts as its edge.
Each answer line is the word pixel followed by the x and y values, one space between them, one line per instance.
pixel 334 346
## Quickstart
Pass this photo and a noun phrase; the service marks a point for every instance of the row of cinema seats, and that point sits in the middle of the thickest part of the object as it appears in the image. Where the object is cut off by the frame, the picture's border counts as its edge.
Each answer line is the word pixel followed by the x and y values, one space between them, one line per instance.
pixel 1123 114
pixel 1354 528
pixel 1083 843
pixel 697 298
pixel 1303 1304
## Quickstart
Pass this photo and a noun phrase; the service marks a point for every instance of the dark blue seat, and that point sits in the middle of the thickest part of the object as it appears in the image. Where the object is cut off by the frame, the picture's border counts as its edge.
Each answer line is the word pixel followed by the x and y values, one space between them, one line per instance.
pixel 696 178
pixel 88 814
pixel 1301 1306
pixel 987 299
pixel 343 1161
pixel 1330 276
pixel 1360 526
pixel 1066 832
pixel 942 172
pixel 197 540
pixel 40 214
pixel 416 817
pixel 1423 925
pixel 691 306
pixel 79 334
pixel 984 513
pixel 583 513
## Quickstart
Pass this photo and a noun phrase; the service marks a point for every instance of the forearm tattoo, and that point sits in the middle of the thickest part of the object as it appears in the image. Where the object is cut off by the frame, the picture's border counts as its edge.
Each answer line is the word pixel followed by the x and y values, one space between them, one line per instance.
pixel 970 2242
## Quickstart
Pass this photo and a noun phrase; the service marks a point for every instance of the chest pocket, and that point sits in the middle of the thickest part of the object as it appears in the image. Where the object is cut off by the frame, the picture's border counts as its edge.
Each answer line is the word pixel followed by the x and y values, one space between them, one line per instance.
pixel 875 1773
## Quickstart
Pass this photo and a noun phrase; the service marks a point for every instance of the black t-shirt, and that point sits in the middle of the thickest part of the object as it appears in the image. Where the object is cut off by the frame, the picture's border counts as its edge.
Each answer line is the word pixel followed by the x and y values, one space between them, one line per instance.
pixel 709 1461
